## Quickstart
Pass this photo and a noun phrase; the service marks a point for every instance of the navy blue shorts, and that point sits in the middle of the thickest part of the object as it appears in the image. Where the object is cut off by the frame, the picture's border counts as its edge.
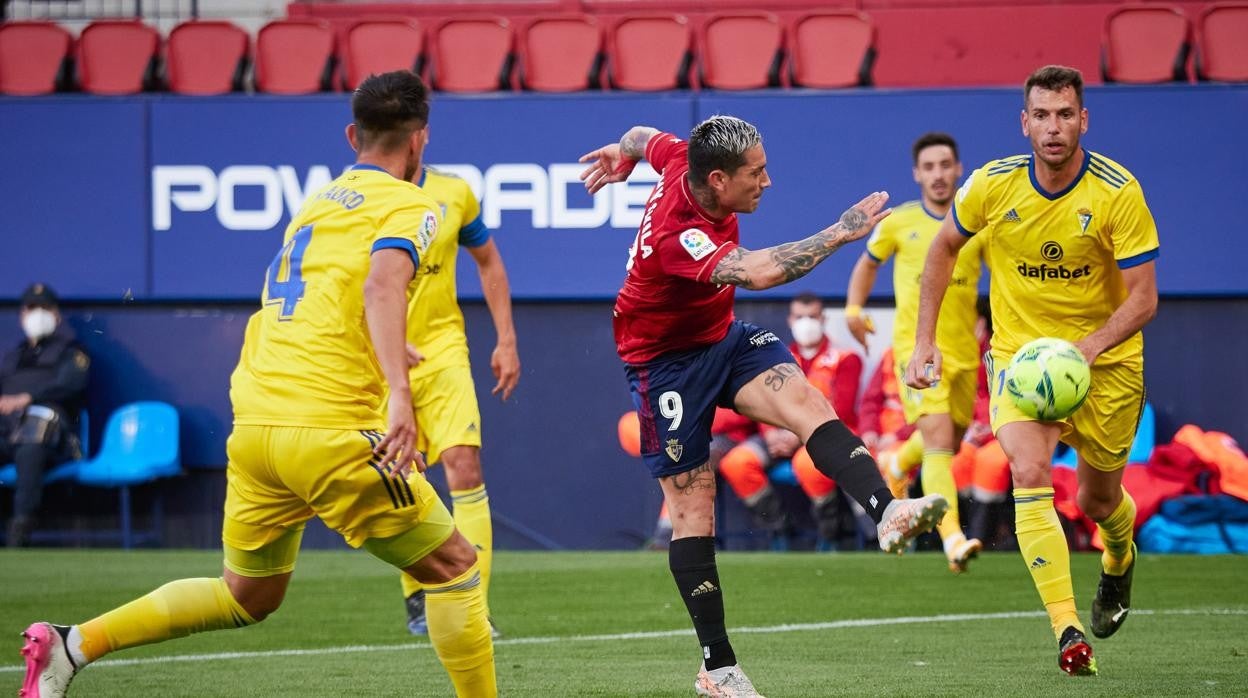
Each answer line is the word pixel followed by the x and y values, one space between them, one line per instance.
pixel 676 394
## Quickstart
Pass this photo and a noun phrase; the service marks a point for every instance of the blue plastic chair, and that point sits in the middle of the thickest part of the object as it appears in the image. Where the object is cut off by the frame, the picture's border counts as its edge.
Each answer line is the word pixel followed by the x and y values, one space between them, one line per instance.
pixel 65 471
pixel 140 444
pixel 1141 447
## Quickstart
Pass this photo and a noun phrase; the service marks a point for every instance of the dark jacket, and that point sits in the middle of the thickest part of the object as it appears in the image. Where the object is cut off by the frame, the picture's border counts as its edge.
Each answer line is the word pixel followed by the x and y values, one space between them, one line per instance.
pixel 53 371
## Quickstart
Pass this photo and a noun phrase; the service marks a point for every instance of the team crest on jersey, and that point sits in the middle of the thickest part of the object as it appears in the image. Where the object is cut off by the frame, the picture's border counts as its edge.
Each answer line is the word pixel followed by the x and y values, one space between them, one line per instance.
pixel 1085 217
pixel 428 228
pixel 443 208
pixel 674 449
pixel 696 243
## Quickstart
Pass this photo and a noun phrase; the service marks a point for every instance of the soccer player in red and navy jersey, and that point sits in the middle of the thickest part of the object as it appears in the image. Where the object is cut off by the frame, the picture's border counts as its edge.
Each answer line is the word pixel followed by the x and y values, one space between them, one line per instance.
pixel 685 354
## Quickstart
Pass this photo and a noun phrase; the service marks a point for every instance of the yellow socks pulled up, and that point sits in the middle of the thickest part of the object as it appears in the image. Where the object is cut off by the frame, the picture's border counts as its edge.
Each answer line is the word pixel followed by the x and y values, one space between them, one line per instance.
pixel 471 511
pixel 176 609
pixel 460 633
pixel 1043 546
pixel 937 478
pixel 1116 531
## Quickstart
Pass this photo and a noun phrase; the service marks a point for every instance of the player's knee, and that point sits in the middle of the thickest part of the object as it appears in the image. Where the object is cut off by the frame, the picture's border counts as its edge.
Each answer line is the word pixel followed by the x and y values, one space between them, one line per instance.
pixel 260 597
pixel 1029 472
pixel 1096 505
pixel 463 467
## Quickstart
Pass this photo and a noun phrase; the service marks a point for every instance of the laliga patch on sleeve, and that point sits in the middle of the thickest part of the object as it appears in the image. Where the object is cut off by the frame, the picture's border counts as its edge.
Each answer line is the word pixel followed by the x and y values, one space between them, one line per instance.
pixel 696 243
pixel 428 228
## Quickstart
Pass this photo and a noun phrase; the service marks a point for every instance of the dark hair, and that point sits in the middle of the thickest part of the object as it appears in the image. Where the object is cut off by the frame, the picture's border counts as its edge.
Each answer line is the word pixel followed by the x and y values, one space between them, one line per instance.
pixel 807 298
pixel 932 138
pixel 1054 78
pixel 387 108
pixel 719 143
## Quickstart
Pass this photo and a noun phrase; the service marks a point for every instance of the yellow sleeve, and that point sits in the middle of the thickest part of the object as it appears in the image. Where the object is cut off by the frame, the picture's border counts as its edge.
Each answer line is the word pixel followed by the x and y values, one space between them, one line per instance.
pixel 474 232
pixel 882 244
pixel 410 226
pixel 970 205
pixel 1132 232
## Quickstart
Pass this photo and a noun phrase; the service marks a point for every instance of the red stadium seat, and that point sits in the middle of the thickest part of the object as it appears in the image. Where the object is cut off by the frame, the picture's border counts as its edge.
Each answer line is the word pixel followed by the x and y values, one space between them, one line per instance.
pixel 380 46
pixel 294 57
pixel 206 58
pixel 117 57
pixel 742 52
pixel 561 54
pixel 650 53
pixel 33 57
pixel 1145 44
pixel 472 55
pixel 1224 43
pixel 832 49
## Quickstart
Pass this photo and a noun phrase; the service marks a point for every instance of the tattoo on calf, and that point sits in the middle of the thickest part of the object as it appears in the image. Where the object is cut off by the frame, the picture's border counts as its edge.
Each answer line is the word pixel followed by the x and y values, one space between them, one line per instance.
pixel 700 478
pixel 778 375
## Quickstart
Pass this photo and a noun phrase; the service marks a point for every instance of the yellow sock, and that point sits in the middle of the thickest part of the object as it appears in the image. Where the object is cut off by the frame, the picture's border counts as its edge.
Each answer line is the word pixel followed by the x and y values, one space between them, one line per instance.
pixel 937 478
pixel 1116 536
pixel 460 633
pixel 910 455
pixel 1043 545
pixel 471 511
pixel 175 610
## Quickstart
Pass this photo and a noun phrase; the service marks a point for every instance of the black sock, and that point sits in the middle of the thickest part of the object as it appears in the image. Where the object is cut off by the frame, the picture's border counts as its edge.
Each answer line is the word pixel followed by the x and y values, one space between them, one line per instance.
pixel 842 456
pixel 692 561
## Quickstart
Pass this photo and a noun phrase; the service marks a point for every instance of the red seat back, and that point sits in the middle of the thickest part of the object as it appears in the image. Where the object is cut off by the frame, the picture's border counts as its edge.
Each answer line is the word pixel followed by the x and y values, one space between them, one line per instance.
pixel 561 54
pixel 650 53
pixel 741 52
pixel 117 57
pixel 206 58
pixel 32 57
pixel 472 55
pixel 1224 42
pixel 380 46
pixel 294 57
pixel 1145 43
pixel 832 49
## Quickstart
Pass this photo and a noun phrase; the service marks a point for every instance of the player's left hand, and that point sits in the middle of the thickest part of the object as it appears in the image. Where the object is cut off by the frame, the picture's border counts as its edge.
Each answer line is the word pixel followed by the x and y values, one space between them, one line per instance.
pixel 414 357
pixel 397 448
pixel 505 362
pixel 924 369
pixel 608 166
pixel 1089 354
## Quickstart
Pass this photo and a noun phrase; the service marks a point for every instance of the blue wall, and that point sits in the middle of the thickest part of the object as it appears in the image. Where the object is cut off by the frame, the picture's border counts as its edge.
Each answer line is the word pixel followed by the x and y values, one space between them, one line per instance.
pixel 186 198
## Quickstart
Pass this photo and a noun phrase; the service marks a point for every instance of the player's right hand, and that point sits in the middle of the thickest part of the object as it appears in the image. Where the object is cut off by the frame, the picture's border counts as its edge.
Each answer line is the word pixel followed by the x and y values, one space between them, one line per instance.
pixel 608 166
pixel 414 357
pixel 860 326
pixel 398 447
pixel 860 219
pixel 924 369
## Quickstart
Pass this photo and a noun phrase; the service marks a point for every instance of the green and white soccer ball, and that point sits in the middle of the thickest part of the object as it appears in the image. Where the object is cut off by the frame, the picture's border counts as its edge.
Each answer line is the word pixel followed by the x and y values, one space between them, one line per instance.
pixel 1048 379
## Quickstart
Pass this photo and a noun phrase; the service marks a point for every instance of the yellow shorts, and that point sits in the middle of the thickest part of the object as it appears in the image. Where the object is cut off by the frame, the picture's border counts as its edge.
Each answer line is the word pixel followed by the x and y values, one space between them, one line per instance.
pixel 446 411
pixel 953 394
pixel 279 477
pixel 1103 428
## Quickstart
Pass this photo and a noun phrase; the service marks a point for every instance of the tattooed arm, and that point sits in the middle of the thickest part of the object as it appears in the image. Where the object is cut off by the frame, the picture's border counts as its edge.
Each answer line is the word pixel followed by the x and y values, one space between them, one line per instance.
pixel 614 162
pixel 759 269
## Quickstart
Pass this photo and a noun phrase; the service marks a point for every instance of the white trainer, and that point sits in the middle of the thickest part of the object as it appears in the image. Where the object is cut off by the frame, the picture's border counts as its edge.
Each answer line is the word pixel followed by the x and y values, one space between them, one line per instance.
pixel 726 682
pixel 49 668
pixel 906 519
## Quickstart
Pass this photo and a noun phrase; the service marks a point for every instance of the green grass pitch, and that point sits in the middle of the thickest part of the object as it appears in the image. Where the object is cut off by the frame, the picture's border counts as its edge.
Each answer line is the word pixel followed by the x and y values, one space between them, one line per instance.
pixel 611 624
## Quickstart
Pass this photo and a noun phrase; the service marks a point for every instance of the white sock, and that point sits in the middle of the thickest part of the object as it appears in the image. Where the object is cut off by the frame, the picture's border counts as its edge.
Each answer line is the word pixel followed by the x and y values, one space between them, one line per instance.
pixel 73 644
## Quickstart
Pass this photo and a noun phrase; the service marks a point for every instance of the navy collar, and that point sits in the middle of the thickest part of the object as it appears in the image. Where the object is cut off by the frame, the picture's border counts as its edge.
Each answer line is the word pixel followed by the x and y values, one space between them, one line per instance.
pixel 928 211
pixel 364 166
pixel 423 171
pixel 1031 173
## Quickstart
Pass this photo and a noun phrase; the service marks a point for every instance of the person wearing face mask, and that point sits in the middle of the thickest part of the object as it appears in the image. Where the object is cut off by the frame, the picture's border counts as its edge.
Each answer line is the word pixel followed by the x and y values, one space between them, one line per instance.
pixel 835 372
pixel 43 385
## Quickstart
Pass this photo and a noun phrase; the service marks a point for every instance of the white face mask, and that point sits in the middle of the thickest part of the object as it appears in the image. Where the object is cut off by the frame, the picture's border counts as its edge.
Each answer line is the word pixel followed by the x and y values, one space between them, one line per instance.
pixel 38 323
pixel 807 331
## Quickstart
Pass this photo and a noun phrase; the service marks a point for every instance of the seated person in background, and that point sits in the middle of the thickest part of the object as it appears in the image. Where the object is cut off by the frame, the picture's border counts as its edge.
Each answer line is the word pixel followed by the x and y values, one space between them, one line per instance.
pixel 727 430
pixel 836 373
pixel 43 386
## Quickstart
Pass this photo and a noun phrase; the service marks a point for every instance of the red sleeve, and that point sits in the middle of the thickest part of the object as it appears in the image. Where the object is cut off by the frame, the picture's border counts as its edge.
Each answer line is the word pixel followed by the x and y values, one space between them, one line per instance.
pixel 872 401
pixel 661 148
pixel 845 390
pixel 691 254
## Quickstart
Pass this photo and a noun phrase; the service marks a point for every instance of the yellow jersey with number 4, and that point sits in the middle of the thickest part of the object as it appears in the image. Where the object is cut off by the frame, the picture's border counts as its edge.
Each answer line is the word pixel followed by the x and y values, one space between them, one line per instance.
pixel 307 358
pixel 435 324
pixel 906 235
pixel 1056 258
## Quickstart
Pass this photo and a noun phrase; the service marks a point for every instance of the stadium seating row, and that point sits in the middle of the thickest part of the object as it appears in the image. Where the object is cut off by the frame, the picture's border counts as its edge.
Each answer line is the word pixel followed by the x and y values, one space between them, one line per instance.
pixel 746 50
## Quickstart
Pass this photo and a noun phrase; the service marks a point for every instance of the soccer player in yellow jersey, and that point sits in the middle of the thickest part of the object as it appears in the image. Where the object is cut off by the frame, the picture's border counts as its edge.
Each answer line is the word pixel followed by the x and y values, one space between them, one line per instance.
pixel 943 412
pixel 1071 246
pixel 318 360
pixel 448 420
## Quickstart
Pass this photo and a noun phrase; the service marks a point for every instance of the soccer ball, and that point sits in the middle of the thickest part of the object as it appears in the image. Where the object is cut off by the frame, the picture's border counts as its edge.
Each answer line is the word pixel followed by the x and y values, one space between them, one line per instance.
pixel 1048 379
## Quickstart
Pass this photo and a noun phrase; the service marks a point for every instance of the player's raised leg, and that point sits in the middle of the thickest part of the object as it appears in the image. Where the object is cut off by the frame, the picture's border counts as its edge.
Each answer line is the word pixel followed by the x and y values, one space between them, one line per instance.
pixel 782 396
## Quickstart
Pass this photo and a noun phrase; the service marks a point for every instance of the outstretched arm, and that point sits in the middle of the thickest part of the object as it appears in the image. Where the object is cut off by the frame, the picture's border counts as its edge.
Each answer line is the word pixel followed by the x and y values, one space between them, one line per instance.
pixel 860 283
pixel 505 361
pixel 937 271
pixel 759 269
pixel 614 162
